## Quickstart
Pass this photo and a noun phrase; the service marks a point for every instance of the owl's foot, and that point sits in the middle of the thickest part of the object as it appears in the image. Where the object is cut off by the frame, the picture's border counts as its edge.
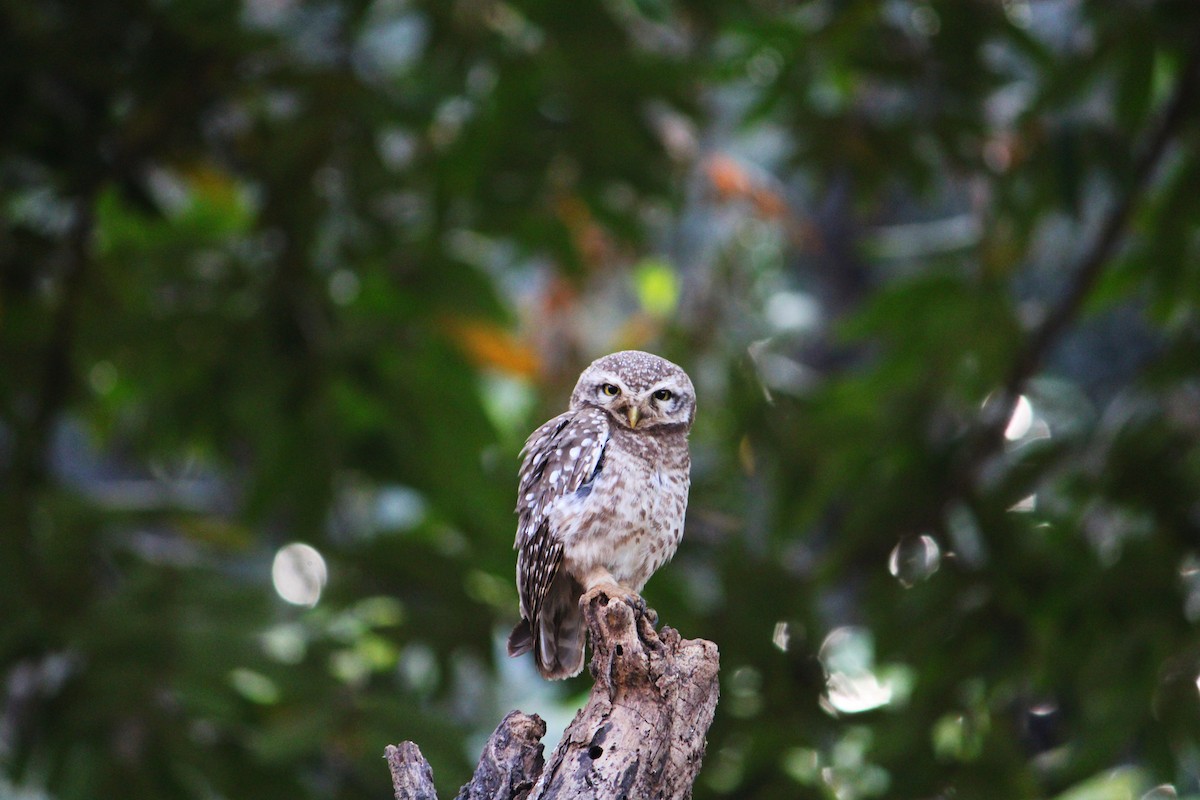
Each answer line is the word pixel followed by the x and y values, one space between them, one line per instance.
pixel 621 639
pixel 615 591
pixel 635 601
pixel 650 614
pixel 645 619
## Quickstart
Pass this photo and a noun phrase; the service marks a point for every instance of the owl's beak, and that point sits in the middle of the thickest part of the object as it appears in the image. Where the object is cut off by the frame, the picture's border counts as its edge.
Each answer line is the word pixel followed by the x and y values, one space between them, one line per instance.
pixel 634 414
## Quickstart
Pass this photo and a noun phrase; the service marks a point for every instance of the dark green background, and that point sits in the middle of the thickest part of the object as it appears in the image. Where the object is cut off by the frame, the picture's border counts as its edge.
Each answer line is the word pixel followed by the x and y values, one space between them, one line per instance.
pixel 310 271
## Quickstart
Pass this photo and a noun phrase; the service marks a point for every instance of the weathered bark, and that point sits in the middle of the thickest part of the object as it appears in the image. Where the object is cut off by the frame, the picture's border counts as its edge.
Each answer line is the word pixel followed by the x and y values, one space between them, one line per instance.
pixel 511 760
pixel 641 734
pixel 412 778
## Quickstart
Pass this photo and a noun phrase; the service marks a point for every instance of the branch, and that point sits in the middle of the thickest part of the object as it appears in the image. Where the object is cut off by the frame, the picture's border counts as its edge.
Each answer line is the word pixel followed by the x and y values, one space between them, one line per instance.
pixel 1178 109
pixel 511 760
pixel 27 468
pixel 412 778
pixel 641 733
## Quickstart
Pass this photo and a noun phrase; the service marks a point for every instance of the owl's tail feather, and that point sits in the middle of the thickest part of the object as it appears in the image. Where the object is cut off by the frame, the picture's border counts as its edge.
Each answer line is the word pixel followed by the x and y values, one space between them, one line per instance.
pixel 520 641
pixel 558 650
pixel 557 635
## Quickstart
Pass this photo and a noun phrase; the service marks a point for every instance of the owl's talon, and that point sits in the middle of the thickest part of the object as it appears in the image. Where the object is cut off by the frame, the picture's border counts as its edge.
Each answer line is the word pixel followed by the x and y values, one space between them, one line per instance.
pixel 651 616
pixel 640 609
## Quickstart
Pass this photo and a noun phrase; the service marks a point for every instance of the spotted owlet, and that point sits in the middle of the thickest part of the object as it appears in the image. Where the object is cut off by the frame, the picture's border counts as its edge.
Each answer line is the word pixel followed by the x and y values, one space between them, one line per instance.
pixel 602 495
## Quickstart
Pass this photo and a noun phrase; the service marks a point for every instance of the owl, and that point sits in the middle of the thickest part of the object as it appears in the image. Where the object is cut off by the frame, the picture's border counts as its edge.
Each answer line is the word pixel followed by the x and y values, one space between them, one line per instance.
pixel 602 493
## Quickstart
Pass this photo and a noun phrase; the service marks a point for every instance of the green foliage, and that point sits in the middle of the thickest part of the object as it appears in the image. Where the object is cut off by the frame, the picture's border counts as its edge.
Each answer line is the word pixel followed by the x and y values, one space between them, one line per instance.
pixel 278 272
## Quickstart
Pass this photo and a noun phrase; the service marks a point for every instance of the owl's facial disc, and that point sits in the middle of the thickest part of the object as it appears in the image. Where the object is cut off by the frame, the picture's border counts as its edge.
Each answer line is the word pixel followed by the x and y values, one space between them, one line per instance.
pixel 638 390
pixel 658 405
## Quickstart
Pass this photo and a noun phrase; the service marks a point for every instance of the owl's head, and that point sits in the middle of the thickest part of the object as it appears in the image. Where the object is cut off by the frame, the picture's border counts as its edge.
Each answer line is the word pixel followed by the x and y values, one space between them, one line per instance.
pixel 639 391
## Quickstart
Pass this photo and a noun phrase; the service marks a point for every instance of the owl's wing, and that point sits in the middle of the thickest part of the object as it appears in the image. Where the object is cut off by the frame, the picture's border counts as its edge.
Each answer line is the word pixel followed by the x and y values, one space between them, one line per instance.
pixel 561 457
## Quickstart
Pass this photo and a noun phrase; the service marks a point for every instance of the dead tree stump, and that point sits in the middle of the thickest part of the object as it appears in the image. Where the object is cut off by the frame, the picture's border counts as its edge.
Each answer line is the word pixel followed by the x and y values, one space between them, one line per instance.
pixel 641 734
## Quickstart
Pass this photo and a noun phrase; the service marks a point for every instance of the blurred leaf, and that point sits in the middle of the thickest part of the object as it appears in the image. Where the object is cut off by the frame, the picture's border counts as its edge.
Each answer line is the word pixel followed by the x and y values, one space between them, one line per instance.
pixel 491 346
pixel 1119 784
pixel 657 287
pixel 1135 81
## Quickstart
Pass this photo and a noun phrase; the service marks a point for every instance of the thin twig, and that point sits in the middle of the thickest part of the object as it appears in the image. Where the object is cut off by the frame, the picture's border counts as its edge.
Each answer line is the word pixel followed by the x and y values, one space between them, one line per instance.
pixel 27 471
pixel 1178 109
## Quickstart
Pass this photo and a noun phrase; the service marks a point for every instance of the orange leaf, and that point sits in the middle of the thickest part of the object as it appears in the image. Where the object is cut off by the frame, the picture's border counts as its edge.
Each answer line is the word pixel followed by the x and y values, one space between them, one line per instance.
pixel 769 203
pixel 489 345
pixel 728 177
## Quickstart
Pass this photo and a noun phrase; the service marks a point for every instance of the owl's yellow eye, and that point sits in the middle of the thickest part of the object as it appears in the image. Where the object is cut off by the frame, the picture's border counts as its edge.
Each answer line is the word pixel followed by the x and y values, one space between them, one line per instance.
pixel 662 395
pixel 610 390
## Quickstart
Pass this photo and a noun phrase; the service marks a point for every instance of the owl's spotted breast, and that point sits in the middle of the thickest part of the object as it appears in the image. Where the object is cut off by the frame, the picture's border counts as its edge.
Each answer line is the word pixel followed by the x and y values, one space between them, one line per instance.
pixel 632 522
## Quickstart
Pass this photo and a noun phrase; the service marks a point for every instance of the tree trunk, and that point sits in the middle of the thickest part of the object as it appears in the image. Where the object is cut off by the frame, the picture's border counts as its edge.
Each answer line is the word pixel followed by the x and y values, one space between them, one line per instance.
pixel 641 734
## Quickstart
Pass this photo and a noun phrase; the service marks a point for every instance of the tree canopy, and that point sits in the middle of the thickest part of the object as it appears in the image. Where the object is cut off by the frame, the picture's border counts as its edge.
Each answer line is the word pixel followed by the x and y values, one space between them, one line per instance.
pixel 284 284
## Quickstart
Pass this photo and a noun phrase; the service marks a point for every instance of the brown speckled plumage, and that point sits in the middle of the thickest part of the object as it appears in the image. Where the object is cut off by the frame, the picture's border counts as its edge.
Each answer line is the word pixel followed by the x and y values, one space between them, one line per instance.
pixel 602 495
